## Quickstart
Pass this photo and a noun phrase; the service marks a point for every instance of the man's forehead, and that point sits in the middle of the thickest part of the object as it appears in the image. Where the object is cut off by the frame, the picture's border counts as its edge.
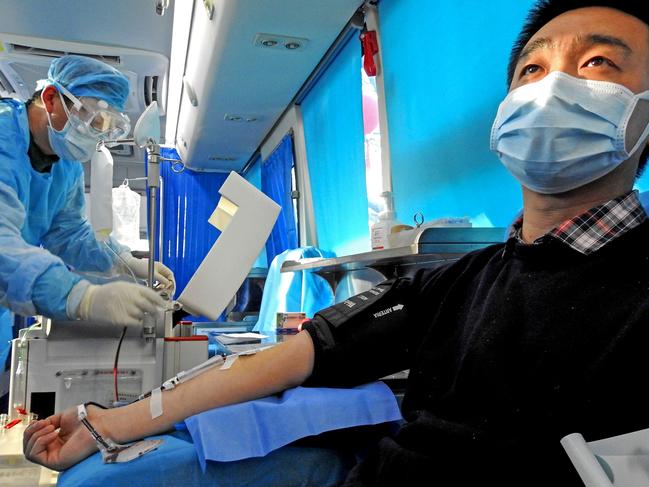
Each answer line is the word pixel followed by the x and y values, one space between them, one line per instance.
pixel 577 42
pixel 592 25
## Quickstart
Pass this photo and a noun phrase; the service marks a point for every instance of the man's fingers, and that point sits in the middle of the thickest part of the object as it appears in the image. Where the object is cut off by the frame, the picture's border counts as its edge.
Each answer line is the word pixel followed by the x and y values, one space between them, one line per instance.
pixel 165 276
pixel 151 301
pixel 39 451
pixel 31 429
pixel 162 279
pixel 35 426
pixel 46 431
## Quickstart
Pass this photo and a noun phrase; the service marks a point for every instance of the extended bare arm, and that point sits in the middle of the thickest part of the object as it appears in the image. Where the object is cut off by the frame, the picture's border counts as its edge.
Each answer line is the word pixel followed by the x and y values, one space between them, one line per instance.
pixel 60 441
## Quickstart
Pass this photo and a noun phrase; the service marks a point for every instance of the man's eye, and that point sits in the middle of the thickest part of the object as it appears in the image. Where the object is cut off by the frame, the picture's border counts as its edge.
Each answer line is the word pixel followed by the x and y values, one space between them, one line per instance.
pixel 599 61
pixel 530 69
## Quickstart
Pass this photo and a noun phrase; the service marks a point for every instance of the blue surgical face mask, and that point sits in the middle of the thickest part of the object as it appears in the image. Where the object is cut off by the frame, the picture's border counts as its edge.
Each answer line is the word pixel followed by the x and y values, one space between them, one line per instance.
pixel 68 143
pixel 562 132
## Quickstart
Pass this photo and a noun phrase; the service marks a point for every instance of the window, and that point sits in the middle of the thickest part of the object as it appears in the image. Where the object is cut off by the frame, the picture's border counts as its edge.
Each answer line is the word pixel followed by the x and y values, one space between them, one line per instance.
pixel 372 131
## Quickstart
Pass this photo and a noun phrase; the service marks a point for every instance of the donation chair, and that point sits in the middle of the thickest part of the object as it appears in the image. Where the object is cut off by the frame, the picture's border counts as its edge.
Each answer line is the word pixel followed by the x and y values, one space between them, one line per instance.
pixel 621 460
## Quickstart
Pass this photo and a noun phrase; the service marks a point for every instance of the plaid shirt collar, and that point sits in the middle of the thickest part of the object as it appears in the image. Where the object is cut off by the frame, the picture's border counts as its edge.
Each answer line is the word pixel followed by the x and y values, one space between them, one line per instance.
pixel 594 228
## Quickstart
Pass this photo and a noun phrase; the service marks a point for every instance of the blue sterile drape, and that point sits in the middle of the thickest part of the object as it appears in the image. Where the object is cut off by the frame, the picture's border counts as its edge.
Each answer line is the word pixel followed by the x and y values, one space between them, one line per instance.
pixel 333 129
pixel 276 183
pixel 445 74
pixel 189 198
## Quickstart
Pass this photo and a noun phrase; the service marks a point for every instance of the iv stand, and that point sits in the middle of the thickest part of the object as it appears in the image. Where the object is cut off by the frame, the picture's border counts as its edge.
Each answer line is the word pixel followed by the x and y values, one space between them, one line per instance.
pixel 153 184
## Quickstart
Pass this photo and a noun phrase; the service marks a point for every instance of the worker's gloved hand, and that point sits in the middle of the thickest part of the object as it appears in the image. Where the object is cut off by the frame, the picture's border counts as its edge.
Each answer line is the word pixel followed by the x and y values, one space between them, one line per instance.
pixel 140 267
pixel 118 303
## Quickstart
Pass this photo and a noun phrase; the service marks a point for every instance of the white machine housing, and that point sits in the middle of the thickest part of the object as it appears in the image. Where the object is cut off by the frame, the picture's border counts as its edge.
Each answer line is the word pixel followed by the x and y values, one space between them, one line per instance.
pixel 61 364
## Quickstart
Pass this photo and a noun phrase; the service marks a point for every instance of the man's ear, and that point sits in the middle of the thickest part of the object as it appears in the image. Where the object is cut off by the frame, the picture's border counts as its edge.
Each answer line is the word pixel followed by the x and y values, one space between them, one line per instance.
pixel 49 95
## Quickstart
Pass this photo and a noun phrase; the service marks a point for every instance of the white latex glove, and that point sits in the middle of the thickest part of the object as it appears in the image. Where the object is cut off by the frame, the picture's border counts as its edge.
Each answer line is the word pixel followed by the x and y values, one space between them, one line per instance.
pixel 140 268
pixel 118 303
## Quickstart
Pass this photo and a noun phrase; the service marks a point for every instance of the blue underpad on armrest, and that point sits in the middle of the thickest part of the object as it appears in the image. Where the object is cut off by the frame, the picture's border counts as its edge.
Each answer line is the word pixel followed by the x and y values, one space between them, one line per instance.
pixel 254 428
pixel 175 463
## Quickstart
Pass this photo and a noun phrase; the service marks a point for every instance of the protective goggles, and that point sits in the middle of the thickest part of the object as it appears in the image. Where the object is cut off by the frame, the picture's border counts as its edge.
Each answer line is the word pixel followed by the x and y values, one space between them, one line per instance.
pixel 95 117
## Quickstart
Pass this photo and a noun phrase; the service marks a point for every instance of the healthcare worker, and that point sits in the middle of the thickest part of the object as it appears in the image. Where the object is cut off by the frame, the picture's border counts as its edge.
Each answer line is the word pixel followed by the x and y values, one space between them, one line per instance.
pixel 44 234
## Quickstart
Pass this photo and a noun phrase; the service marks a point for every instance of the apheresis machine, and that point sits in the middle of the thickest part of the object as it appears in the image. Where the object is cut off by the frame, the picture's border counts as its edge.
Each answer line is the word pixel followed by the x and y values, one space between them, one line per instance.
pixel 56 365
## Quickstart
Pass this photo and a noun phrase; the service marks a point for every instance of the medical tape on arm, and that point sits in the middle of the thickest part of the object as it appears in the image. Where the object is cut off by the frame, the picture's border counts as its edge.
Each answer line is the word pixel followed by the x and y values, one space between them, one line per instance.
pixel 229 360
pixel 155 405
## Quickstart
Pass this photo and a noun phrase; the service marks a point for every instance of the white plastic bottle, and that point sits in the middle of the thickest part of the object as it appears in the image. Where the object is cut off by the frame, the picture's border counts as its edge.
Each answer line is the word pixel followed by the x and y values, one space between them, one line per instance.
pixel 381 229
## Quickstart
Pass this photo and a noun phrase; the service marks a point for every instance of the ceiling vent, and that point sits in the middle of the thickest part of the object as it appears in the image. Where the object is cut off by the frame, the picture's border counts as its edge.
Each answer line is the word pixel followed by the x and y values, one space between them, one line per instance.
pixel 279 42
pixel 150 90
pixel 233 117
pixel 11 84
pixel 5 85
pixel 53 53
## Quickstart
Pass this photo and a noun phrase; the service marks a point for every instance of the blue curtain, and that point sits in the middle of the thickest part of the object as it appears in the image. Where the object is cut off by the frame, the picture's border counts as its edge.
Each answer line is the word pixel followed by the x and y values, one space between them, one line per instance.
pixel 276 183
pixel 333 129
pixel 189 199
pixel 445 74
pixel 253 176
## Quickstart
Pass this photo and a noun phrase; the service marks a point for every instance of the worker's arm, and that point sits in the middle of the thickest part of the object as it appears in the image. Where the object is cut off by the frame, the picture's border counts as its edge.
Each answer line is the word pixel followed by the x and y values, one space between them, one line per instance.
pixel 32 280
pixel 60 441
pixel 72 238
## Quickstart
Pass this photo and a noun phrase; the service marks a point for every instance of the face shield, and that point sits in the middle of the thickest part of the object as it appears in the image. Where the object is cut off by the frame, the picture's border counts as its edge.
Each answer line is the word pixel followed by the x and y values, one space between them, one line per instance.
pixel 95 118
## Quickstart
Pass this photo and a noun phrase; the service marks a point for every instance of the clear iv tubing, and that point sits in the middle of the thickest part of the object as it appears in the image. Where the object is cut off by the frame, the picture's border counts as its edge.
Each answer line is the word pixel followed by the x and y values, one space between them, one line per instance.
pixel 185 375
pixel 123 261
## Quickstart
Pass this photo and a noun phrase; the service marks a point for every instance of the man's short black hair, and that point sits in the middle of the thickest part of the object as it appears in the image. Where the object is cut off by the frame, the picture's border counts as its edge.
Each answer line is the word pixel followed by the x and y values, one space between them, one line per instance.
pixel 545 10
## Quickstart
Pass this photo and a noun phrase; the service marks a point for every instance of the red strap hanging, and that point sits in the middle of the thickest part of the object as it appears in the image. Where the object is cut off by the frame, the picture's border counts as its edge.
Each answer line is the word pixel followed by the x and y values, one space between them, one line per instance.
pixel 370 46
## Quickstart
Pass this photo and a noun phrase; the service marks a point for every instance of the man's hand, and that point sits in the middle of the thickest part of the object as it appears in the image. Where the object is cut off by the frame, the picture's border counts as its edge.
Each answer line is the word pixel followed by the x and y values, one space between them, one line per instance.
pixel 118 303
pixel 59 441
pixel 140 268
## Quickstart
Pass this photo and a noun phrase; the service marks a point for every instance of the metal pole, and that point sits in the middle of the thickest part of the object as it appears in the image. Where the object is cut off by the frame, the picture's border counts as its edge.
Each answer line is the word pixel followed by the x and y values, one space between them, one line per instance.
pixel 153 178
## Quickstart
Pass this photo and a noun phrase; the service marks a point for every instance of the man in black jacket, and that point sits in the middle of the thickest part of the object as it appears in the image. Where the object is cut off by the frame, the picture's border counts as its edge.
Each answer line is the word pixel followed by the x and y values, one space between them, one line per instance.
pixel 514 346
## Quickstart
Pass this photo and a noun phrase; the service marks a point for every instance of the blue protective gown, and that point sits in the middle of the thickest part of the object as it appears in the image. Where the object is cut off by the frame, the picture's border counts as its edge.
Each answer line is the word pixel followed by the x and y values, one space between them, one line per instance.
pixel 42 228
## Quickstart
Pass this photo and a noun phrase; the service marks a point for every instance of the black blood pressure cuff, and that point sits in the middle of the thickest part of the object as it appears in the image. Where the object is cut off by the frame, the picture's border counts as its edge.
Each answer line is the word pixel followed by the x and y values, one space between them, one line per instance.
pixel 363 338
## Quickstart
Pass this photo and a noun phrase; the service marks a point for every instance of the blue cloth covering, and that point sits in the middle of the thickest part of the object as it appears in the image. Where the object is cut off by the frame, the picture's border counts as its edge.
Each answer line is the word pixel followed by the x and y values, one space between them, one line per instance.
pixel 254 428
pixel 175 464
pixel 293 291
pixel 40 209
pixel 276 176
